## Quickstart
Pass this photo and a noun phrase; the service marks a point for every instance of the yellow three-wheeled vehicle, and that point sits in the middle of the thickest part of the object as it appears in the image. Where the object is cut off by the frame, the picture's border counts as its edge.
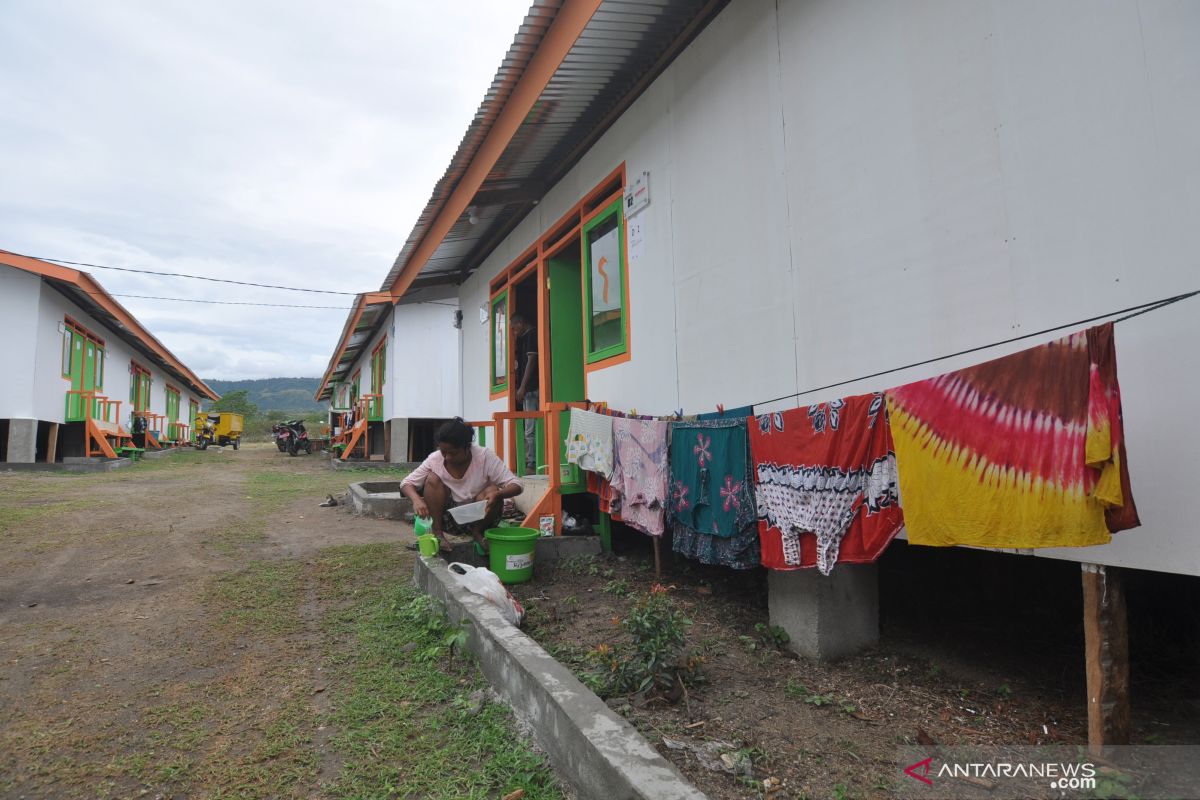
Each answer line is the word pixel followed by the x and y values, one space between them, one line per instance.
pixel 218 427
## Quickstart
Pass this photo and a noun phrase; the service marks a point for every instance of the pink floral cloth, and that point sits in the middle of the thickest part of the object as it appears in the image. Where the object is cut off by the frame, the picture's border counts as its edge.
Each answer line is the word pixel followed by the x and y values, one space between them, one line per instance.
pixel 640 473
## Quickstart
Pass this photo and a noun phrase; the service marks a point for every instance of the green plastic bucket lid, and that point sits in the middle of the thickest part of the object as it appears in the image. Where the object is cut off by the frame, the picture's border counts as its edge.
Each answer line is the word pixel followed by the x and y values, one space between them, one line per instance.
pixel 512 534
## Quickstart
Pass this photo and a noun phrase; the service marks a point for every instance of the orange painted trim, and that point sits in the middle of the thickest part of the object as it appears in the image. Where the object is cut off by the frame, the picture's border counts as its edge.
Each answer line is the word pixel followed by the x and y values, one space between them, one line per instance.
pixel 497 395
pixel 360 304
pixel 568 24
pixel 604 204
pixel 525 272
pixel 562 243
pixel 87 284
pixel 82 330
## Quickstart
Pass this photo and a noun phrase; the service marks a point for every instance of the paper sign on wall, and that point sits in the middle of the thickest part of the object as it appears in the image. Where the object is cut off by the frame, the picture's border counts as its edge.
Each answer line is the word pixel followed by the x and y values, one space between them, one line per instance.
pixel 636 230
pixel 637 194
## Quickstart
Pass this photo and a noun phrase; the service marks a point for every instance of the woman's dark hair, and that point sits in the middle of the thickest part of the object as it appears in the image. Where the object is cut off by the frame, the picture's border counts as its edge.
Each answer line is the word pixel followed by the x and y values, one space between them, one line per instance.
pixel 455 433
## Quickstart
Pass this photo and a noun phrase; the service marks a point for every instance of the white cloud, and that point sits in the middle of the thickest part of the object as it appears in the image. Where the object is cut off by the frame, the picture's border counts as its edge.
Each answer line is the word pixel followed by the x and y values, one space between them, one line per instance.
pixel 277 142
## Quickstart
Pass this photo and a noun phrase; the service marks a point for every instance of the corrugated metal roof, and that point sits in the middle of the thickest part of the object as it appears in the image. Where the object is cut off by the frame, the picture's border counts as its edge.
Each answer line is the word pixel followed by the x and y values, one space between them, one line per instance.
pixel 622 48
pixel 356 340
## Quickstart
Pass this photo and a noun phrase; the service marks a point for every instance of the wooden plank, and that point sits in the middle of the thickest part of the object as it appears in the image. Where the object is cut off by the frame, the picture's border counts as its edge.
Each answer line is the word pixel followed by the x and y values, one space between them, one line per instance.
pixel 52 443
pixel 1106 651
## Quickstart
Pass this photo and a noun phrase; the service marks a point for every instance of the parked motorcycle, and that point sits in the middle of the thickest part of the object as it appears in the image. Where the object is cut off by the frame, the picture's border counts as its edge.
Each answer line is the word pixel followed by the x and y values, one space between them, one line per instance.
pixel 282 435
pixel 298 438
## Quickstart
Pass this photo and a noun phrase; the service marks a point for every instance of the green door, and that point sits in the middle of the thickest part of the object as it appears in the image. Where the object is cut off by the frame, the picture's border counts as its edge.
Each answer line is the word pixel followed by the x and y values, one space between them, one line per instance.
pixel 172 411
pixel 91 372
pixel 75 371
pixel 566 353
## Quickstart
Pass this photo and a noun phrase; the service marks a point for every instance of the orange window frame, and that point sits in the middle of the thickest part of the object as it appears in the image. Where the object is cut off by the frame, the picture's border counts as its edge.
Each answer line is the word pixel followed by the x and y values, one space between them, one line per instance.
pixel 565 231
pixel 378 370
pixel 94 339
pixel 136 371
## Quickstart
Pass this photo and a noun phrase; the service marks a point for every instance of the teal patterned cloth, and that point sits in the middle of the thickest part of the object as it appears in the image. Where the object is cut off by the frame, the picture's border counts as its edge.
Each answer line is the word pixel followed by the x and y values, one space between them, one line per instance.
pixel 711 490
pixel 712 503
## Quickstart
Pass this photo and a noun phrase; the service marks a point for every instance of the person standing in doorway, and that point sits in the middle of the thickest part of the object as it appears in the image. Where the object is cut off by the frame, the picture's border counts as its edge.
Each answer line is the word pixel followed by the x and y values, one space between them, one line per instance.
pixel 525 349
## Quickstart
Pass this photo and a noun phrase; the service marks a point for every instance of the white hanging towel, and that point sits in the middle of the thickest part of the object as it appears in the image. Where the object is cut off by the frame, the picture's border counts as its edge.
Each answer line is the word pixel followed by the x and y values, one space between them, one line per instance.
pixel 590 442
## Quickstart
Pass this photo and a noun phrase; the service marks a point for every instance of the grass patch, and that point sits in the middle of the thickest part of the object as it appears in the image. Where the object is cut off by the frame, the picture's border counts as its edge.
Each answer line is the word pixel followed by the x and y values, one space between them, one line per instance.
pixel 262 597
pixel 407 725
pixel 14 514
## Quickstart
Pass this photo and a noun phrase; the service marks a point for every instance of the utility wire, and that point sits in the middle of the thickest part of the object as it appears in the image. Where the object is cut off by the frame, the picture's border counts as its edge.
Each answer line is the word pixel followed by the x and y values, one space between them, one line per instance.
pixel 183 275
pixel 224 302
pixel 1144 308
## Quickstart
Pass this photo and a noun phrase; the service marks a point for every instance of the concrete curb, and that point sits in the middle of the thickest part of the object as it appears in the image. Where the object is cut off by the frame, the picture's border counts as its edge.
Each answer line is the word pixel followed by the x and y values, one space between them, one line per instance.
pixel 596 751
pixel 338 464
pixel 81 465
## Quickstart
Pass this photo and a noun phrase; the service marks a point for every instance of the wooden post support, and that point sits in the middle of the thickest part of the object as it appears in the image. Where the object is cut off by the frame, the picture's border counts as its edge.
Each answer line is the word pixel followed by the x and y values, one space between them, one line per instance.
pixel 657 556
pixel 52 443
pixel 1106 649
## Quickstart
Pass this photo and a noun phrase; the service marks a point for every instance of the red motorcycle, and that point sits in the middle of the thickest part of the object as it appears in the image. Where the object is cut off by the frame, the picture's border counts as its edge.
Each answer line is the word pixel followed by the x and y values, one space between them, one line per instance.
pixel 297 439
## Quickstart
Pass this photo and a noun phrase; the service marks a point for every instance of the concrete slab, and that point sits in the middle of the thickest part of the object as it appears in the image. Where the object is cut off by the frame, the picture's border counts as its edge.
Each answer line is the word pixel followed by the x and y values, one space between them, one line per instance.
pixel 338 464
pixel 548 551
pixel 593 749
pixel 379 499
pixel 70 464
pixel 827 616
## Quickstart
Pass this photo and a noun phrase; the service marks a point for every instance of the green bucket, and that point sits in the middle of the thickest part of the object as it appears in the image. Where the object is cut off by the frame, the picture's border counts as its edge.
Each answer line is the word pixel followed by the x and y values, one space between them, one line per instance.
pixel 511 552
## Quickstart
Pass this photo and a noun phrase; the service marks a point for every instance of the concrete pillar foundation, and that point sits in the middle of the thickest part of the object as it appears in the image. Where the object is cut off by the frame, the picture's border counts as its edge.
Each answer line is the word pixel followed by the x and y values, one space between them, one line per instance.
pixel 827 616
pixel 22 441
pixel 399 439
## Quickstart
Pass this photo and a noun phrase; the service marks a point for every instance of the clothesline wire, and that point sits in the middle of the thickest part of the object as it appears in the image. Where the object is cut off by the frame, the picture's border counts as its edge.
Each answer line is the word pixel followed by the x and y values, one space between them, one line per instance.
pixel 1143 308
pixel 182 275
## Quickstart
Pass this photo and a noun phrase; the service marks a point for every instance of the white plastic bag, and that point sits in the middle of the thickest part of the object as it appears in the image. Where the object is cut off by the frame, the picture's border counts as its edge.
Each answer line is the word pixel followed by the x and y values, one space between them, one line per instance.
pixel 486 584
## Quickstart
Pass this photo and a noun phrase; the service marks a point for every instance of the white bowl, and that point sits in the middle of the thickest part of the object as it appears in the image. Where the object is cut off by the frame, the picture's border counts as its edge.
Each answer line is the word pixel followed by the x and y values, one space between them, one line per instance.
pixel 469 512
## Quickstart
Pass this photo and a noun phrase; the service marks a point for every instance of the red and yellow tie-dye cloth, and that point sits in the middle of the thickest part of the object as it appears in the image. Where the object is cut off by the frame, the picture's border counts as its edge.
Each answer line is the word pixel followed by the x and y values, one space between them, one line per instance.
pixel 1023 451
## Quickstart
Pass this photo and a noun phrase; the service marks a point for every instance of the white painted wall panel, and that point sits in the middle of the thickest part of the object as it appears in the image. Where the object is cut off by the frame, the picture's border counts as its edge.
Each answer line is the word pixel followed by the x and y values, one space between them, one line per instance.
pixel 50 387
pixel 424 361
pixel 839 188
pixel 19 298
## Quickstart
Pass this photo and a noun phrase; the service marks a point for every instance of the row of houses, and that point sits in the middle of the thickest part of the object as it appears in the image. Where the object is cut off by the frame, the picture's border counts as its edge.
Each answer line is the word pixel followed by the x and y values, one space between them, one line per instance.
pixel 700 203
pixel 80 370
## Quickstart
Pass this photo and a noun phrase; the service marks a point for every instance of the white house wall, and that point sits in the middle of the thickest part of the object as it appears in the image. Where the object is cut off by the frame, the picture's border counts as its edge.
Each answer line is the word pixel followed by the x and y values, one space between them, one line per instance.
pixel 423 368
pixel 18 319
pixel 49 388
pixel 840 188
pixel 421 376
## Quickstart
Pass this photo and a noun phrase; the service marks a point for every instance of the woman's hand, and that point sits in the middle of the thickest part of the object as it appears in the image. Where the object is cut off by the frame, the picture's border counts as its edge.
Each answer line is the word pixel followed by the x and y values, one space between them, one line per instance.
pixel 420 508
pixel 491 496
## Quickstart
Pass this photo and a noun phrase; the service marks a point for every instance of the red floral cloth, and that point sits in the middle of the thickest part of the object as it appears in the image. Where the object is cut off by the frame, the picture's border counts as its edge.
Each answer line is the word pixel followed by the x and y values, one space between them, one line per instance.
pixel 825 483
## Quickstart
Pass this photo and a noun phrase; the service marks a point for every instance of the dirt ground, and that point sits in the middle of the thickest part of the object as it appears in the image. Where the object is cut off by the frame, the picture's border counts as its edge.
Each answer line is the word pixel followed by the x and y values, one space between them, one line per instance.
pixel 164 632
pixel 123 668
pixel 823 730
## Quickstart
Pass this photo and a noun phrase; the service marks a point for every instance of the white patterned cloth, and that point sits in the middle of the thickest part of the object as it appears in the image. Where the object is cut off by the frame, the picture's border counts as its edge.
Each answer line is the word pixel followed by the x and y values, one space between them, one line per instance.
pixel 590 442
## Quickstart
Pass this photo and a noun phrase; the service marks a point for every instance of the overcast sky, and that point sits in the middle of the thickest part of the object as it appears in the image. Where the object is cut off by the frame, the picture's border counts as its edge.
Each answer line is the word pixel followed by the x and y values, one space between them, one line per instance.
pixel 278 142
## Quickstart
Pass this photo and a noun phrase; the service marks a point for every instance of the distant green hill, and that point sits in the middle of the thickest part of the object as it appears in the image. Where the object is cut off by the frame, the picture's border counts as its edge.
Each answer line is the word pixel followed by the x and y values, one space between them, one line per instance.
pixel 275 394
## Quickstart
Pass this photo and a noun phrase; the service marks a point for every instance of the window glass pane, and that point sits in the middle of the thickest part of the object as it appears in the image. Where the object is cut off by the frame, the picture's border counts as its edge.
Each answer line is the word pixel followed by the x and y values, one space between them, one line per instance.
pixel 99 368
pixel 500 341
pixel 604 260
